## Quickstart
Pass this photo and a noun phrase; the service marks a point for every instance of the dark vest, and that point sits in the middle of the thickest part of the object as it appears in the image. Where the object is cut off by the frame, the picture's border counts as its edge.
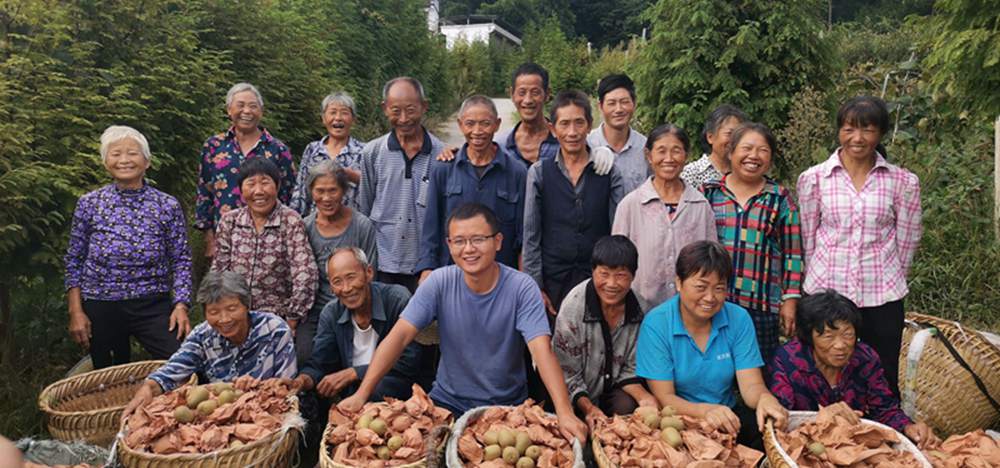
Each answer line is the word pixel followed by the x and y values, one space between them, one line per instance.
pixel 571 223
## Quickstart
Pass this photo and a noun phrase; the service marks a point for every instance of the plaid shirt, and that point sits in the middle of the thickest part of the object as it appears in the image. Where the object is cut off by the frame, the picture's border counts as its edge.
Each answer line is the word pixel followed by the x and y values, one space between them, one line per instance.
pixel 765 242
pixel 859 243
pixel 315 153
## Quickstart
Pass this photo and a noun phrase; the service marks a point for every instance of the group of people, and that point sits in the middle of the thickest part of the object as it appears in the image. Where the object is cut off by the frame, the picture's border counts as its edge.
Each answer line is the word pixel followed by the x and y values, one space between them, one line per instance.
pixel 592 268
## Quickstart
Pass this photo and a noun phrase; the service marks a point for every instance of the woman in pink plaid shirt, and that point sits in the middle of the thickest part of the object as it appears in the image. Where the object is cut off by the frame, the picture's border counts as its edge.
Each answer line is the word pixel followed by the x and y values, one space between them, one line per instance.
pixel 860 227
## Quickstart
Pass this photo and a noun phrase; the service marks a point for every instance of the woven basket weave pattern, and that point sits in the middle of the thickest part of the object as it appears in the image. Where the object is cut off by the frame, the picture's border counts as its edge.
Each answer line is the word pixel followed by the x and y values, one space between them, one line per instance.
pixel 326 461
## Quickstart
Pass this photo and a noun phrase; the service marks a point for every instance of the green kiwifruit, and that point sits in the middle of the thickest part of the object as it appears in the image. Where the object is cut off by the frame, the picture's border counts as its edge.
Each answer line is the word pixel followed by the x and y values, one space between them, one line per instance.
pixel 671 436
pixel 522 442
pixel 817 448
pixel 219 387
pixel 644 411
pixel 196 395
pixel 667 411
pixel 672 421
pixel 394 443
pixel 378 426
pixel 492 452
pixel 506 438
pixel 236 443
pixel 491 437
pixel 227 396
pixel 183 414
pixel 510 455
pixel 652 420
pixel 533 452
pixel 383 452
pixel 207 407
pixel 364 421
pixel 525 462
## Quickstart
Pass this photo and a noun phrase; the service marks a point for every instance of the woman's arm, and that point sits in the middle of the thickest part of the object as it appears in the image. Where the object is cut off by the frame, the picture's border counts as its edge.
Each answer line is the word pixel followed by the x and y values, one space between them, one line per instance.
pixel 719 416
pixel 76 256
pixel 755 395
pixel 909 226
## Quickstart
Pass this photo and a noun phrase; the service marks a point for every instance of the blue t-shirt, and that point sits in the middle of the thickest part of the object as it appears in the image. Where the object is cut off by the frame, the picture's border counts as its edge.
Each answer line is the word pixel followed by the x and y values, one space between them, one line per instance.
pixel 666 351
pixel 482 335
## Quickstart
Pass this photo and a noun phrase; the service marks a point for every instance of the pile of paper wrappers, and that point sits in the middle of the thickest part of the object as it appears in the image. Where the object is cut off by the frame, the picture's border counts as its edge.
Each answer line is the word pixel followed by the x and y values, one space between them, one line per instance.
pixel 530 432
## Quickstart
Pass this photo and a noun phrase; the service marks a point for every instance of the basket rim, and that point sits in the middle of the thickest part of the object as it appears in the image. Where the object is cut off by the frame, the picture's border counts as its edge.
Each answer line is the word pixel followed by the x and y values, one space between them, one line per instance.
pixel 992 352
pixel 44 398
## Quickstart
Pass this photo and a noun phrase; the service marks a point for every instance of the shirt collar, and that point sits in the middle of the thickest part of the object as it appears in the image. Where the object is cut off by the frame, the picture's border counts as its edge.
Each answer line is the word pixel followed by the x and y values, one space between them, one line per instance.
pixel 273 219
pixel 378 306
pixel 719 321
pixel 647 193
pixel 131 192
pixel 834 162
pixel 265 136
pixel 512 141
pixel 593 313
pixel 352 144
pixel 424 149
pixel 633 137
pixel 498 159
pixel 770 186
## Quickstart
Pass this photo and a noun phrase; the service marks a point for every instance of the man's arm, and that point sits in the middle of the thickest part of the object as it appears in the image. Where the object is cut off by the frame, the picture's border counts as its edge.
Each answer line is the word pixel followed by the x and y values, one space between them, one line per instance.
pixel 540 348
pixel 431 236
pixel 532 250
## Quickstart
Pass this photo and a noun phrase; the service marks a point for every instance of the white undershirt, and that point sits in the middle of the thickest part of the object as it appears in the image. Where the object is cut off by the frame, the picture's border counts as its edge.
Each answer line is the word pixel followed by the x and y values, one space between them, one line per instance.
pixel 364 344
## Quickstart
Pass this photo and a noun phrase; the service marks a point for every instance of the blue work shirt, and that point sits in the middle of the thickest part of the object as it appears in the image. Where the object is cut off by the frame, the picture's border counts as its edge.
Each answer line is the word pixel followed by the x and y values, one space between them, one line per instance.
pixel 482 335
pixel 333 346
pixel 666 351
pixel 547 150
pixel 455 183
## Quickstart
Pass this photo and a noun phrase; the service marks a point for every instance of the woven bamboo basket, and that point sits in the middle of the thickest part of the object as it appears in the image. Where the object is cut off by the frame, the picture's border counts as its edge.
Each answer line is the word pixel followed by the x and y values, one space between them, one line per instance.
pixel 88 406
pixel 326 461
pixel 600 457
pixel 276 450
pixel 454 460
pixel 776 457
pixel 938 390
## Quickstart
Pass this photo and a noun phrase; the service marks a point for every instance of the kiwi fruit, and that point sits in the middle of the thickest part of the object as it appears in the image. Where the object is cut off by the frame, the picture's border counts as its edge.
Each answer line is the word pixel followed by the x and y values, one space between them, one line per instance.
pixel 219 387
pixel 196 395
pixel 672 421
pixel 490 437
pixel 383 453
pixel 506 438
pixel 492 452
pixel 378 426
pixel 644 411
pixel 533 452
pixel 227 396
pixel 671 436
pixel 183 414
pixel 817 448
pixel 364 421
pixel 236 443
pixel 510 455
pixel 238 393
pixel 207 407
pixel 525 462
pixel 522 442
pixel 652 420
pixel 668 411
pixel 394 443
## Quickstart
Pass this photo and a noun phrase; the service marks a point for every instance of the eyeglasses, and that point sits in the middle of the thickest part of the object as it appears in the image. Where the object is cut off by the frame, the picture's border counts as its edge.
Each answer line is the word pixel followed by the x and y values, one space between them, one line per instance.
pixel 476 241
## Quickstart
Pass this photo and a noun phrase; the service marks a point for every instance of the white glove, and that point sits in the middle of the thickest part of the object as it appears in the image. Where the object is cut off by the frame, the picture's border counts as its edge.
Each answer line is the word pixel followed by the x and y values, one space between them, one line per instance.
pixel 603 160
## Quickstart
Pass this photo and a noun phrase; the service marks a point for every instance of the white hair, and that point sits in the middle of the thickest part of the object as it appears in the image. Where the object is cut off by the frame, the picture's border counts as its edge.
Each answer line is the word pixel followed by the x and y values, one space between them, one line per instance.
pixel 338 97
pixel 403 79
pixel 478 100
pixel 359 255
pixel 116 133
pixel 241 87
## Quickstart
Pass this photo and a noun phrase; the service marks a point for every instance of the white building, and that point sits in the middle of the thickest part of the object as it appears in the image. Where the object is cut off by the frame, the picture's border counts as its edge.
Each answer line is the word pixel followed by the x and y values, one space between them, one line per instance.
pixel 473 28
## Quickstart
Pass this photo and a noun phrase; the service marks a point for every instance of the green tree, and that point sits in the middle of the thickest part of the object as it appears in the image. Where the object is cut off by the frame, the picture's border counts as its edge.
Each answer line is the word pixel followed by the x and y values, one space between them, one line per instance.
pixel 755 55
pixel 522 13
pixel 545 43
pixel 610 22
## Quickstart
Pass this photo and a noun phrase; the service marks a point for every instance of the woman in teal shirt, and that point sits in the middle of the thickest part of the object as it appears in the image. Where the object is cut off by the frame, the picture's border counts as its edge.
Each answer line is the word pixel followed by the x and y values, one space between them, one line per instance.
pixel 692 347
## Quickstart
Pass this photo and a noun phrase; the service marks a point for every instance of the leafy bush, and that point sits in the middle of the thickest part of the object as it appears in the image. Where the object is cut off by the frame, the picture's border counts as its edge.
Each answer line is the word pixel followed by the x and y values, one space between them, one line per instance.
pixel 566 60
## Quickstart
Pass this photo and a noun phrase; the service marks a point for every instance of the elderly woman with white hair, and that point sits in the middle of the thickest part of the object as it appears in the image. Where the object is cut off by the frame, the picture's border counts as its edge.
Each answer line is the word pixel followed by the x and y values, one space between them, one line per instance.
pixel 222 155
pixel 128 265
pixel 338 113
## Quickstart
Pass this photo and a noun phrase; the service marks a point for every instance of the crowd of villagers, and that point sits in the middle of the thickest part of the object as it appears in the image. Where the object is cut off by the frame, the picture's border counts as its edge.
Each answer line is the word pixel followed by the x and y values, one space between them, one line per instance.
pixel 594 269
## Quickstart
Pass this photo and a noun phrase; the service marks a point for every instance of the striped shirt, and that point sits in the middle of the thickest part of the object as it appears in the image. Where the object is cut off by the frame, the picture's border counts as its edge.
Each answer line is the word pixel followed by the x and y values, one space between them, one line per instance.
pixel 315 153
pixel 765 242
pixel 393 194
pixel 269 351
pixel 859 243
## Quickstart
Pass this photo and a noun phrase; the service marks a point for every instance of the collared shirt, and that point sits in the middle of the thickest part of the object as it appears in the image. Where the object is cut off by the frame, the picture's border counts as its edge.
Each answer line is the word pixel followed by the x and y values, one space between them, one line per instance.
pixel 700 171
pixel 333 346
pixel 666 351
pixel 393 194
pixel 799 385
pixel 594 358
pixel 218 182
pixel 532 248
pixel 660 236
pixel 268 352
pixel 765 240
pixel 315 153
pixel 360 233
pixel 127 244
pixel 277 262
pixel 549 147
pixel 455 183
pixel 630 161
pixel 860 243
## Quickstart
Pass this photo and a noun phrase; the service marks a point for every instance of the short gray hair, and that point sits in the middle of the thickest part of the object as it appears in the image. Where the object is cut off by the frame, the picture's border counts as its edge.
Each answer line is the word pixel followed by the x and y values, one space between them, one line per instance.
pixel 241 87
pixel 328 168
pixel 218 285
pixel 338 97
pixel 478 100
pixel 116 133
pixel 412 81
pixel 359 255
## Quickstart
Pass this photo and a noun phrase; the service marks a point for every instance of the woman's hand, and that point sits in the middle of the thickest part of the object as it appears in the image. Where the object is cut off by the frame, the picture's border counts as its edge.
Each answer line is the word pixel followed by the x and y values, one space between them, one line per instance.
pixel 786 313
pixel 179 320
pixel 142 397
pixel 769 407
pixel 79 328
pixel 723 418
pixel 921 434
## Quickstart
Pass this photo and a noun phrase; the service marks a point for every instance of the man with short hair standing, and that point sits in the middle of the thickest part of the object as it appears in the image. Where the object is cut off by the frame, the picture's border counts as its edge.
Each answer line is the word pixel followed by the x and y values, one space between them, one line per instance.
pixel 616 94
pixel 395 171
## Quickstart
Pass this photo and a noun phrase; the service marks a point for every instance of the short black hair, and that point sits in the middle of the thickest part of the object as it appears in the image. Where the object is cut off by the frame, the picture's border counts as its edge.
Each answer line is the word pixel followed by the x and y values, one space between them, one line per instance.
pixel 705 257
pixel 668 129
pixel 823 309
pixel 471 210
pixel 753 127
pixel 530 68
pixel 612 82
pixel 716 119
pixel 572 97
pixel 259 166
pixel 615 252
pixel 863 111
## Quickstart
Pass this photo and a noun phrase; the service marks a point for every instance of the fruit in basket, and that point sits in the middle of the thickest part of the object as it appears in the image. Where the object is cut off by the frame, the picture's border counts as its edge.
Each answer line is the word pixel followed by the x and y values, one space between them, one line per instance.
pixel 510 455
pixel 378 426
pixel 491 438
pixel 492 452
pixel 183 414
pixel 219 387
pixel 522 432
pixel 364 421
pixel 196 395
pixel 652 420
pixel 227 396
pixel 817 448
pixel 506 438
pixel 672 436
pixel 672 421
pixel 394 443
pixel 533 452
pixel 383 452
pixel 236 443
pixel 525 462
pixel 522 442
pixel 207 407
pixel 667 411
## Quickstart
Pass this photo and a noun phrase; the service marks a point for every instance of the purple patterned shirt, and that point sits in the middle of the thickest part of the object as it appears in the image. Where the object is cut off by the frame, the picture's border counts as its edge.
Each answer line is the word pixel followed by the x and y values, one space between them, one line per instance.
pixel 127 244
pixel 799 385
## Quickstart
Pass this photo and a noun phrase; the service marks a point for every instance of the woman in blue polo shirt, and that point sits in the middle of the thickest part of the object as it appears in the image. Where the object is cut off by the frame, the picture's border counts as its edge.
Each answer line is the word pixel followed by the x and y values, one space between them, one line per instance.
pixel 692 347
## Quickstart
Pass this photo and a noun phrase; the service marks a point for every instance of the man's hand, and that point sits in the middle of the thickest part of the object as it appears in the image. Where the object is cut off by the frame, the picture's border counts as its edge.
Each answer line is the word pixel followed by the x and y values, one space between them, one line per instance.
pixel 548 305
pixel 723 418
pixel 304 382
pixel 769 407
pixel 572 427
pixel 351 404
pixel 787 315
pixel 603 159
pixel 79 328
pixel 142 397
pixel 293 324
pixel 179 321
pixel 447 154
pixel 593 417
pixel 423 276
pixel 921 434
pixel 332 384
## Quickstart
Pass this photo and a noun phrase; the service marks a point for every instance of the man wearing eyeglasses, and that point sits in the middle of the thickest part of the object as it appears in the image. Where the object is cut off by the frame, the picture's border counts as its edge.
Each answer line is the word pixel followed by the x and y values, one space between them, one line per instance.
pixel 485 312
pixel 482 172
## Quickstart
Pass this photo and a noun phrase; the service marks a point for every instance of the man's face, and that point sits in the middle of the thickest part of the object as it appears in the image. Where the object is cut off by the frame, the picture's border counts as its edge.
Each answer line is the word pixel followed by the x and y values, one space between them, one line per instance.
pixel 404 109
pixel 349 280
pixel 618 108
pixel 473 244
pixel 529 96
pixel 478 124
pixel 571 128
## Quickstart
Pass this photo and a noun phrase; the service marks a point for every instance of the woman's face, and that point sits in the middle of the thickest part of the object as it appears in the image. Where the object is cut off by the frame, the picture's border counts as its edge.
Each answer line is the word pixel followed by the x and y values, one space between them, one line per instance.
pixel 702 296
pixel 260 193
pixel 858 143
pixel 835 345
pixel 245 111
pixel 719 139
pixel 229 317
pixel 338 120
pixel 125 161
pixel 612 284
pixel 667 157
pixel 751 157
pixel 327 195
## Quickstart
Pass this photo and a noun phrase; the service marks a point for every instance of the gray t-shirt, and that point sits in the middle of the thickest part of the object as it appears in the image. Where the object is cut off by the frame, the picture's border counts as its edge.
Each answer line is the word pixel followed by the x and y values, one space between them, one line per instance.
pixel 360 233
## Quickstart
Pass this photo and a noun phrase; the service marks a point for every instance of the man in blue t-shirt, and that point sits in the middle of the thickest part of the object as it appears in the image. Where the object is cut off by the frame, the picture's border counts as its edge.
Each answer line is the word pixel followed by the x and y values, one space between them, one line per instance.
pixel 485 313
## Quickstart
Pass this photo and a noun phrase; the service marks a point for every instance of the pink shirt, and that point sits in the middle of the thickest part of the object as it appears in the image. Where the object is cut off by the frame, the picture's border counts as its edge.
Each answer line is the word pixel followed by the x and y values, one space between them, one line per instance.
pixel 859 243
pixel 645 220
